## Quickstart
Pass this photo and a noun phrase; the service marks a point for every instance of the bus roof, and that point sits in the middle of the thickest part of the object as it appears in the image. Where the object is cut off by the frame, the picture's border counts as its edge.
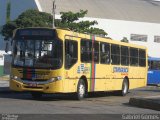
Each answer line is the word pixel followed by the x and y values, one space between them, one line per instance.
pixel 87 36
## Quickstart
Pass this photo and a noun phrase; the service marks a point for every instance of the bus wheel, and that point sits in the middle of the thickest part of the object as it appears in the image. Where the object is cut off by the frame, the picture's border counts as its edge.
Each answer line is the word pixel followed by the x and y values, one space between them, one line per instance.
pixel 81 90
pixel 36 95
pixel 125 87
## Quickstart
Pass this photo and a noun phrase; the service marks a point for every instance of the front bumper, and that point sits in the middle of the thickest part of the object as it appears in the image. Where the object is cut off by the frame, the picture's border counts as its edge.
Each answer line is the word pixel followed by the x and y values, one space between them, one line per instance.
pixel 39 86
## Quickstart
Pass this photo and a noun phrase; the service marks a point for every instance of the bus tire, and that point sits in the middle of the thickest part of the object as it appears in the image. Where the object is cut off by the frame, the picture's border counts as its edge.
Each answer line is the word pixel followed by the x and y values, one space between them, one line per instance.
pixel 125 87
pixel 81 90
pixel 36 95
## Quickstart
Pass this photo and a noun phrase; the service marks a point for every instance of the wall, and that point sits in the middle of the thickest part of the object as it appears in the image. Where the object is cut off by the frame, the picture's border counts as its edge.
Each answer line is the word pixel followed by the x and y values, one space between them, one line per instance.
pixel 117 29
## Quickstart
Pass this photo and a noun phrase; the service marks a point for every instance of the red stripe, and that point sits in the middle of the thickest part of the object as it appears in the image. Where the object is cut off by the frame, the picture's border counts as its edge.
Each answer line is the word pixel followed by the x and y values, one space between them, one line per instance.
pixel 93 69
pixel 29 75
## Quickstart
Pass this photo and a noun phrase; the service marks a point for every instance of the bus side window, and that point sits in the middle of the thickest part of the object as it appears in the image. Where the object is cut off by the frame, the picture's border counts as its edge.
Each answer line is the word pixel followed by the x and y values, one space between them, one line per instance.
pixel 96 52
pixel 115 54
pixel 142 58
pixel 86 51
pixel 124 55
pixel 71 53
pixel 134 57
pixel 104 53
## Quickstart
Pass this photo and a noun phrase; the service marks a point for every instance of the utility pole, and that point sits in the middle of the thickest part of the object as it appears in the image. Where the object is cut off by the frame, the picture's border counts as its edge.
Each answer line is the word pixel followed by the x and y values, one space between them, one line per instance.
pixel 8 11
pixel 54 7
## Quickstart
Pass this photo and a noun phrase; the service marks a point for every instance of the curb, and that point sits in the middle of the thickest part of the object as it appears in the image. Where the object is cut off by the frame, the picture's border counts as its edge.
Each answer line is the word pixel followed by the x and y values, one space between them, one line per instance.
pixel 145 103
pixel 4 86
pixel 4 78
pixel 5 90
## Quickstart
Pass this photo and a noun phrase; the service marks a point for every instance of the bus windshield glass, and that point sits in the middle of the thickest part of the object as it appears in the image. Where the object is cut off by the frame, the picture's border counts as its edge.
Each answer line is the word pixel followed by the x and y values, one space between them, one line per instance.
pixel 37 53
pixel 154 65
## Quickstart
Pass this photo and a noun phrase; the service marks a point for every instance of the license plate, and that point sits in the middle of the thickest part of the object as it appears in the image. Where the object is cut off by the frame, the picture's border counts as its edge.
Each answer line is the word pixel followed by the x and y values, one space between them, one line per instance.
pixel 32 85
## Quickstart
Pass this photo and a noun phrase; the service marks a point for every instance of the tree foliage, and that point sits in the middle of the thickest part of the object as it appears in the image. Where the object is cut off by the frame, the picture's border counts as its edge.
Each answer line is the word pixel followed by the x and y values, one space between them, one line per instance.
pixel 34 18
pixel 29 18
pixel 7 29
pixel 71 20
pixel 125 40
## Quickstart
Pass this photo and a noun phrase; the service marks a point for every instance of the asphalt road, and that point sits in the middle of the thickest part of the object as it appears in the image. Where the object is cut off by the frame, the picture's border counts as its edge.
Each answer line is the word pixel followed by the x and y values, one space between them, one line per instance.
pixel 99 103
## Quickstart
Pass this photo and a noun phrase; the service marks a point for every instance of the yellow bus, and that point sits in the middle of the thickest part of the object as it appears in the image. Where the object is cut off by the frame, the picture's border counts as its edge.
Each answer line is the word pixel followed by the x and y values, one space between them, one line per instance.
pixel 62 61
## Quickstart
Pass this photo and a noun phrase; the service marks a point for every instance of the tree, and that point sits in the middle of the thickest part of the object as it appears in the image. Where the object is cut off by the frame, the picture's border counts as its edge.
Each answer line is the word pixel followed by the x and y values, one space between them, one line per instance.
pixel 7 29
pixel 71 20
pixel 34 18
pixel 29 18
pixel 125 40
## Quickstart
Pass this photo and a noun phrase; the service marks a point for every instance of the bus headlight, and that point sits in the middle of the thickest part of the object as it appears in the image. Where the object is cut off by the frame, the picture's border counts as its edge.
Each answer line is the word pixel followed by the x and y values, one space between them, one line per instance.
pixel 15 78
pixel 55 79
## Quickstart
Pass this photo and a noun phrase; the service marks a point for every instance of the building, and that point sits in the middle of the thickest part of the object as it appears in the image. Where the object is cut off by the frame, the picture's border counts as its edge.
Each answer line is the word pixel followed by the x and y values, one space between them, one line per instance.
pixel 138 20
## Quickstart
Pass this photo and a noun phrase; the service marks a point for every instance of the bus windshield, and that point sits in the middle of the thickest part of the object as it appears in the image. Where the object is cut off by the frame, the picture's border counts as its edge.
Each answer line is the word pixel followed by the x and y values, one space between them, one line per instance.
pixel 37 53
pixel 153 63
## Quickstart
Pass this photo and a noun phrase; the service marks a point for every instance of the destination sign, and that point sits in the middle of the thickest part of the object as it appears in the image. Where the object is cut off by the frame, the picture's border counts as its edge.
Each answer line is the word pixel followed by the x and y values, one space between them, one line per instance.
pixel 35 32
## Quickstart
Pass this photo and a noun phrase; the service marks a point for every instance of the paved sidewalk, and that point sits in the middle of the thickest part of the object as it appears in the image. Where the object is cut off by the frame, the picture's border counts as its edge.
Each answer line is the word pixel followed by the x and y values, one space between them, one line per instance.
pixel 4 78
pixel 150 102
pixel 4 84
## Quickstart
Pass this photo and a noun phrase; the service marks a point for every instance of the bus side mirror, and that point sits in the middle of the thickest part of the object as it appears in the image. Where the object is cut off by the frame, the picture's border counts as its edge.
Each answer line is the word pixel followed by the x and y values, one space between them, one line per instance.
pixel 7 47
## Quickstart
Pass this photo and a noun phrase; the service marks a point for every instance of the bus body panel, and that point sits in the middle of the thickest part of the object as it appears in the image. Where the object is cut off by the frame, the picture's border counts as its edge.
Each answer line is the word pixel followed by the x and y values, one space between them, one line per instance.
pixel 153 71
pixel 153 77
pixel 38 74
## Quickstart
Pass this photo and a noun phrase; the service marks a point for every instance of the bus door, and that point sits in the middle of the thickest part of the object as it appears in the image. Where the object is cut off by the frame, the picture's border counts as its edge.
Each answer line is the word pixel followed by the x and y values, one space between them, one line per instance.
pixel 104 68
pixel 71 63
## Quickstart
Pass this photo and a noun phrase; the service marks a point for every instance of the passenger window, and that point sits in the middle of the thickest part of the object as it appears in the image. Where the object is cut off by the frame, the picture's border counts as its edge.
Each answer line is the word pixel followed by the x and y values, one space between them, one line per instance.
pixel 142 58
pixel 96 52
pixel 124 55
pixel 104 53
pixel 115 54
pixel 133 56
pixel 86 51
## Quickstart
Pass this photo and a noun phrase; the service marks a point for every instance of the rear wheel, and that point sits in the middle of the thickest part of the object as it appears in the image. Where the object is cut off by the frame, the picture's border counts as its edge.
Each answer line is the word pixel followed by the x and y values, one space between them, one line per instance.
pixel 81 90
pixel 36 95
pixel 125 87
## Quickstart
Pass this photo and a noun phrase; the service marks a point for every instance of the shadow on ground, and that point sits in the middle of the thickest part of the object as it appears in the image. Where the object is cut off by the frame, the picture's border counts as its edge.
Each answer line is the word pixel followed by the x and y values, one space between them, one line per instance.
pixel 53 97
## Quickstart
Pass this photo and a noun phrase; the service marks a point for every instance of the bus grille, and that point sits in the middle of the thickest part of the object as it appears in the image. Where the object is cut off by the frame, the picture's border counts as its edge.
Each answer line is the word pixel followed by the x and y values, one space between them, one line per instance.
pixel 37 80
pixel 33 87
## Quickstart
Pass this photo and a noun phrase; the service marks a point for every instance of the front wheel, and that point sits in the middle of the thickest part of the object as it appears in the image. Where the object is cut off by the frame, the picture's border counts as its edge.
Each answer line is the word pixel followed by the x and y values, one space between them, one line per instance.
pixel 81 90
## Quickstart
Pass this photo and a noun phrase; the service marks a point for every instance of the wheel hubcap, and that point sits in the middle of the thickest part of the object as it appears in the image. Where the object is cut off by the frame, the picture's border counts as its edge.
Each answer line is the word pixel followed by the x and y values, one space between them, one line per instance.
pixel 81 90
pixel 125 88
